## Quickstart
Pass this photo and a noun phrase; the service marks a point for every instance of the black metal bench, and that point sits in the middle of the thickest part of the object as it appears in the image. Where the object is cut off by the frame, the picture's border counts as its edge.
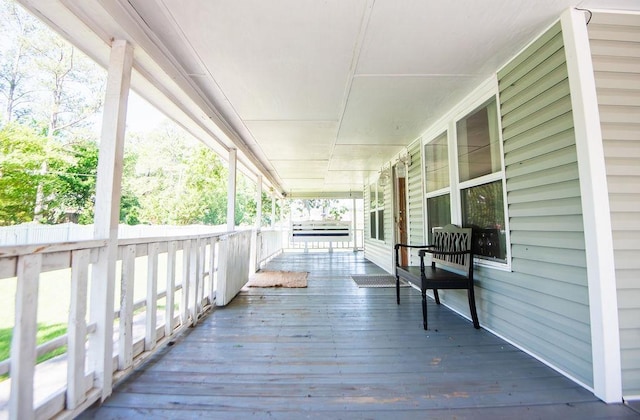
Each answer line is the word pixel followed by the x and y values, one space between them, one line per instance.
pixel 451 250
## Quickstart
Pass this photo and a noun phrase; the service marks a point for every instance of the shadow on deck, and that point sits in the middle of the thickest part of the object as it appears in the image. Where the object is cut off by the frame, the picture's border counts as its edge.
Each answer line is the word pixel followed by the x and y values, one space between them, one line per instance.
pixel 333 350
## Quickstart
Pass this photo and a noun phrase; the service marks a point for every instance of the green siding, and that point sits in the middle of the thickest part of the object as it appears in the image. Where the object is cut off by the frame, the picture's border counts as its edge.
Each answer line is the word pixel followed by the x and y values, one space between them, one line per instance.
pixel 375 250
pixel 615 49
pixel 542 304
pixel 415 201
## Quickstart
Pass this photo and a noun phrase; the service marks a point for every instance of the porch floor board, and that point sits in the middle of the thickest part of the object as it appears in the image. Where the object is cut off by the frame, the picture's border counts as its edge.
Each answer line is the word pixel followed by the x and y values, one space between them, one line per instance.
pixel 333 350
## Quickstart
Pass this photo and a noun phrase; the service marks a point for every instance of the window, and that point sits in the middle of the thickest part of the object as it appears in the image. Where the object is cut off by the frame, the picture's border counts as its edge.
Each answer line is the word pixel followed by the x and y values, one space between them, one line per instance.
pixel 437 183
pixel 436 155
pixel 483 210
pixel 480 176
pixel 478 143
pixel 376 212
pixel 439 211
pixel 472 197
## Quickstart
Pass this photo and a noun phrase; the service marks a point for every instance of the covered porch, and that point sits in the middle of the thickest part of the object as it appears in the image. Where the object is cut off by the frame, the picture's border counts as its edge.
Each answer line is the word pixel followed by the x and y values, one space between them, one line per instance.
pixel 357 100
pixel 333 350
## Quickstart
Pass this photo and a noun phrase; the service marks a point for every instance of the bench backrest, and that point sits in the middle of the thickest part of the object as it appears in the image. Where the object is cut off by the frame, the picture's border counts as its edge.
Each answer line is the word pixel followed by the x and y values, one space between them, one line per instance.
pixel 452 238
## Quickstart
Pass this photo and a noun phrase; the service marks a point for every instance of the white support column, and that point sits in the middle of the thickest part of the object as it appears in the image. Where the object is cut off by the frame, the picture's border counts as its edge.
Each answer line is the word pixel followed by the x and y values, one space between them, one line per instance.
pixel 259 202
pixel 273 210
pixel 353 225
pixel 107 212
pixel 231 190
pixel 603 302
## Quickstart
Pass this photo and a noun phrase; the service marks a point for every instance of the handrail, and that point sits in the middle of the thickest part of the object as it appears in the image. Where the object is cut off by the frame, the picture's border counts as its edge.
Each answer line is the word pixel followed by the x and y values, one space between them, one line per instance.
pixel 197 280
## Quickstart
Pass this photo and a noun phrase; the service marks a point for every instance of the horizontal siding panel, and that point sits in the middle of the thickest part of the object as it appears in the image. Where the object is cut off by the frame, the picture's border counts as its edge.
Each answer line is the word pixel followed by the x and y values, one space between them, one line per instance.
pixel 624 203
pixel 628 299
pixel 613 32
pixel 615 97
pixel 622 149
pixel 629 334
pixel 628 279
pixel 626 240
pixel 624 167
pixel 539 304
pixel 600 47
pixel 540 79
pixel 627 260
pixel 615 19
pixel 549 144
pixel 542 162
pixel 540 117
pixel 550 42
pixel 619 114
pixel 623 184
pixel 625 221
pixel 551 255
pixel 550 223
pixel 620 131
pixel 558 125
pixel 613 80
pixel 550 346
pixel 547 291
pixel 545 192
pixel 560 207
pixel 538 179
pixel 545 238
pixel 558 272
pixel 536 104
pixel 616 64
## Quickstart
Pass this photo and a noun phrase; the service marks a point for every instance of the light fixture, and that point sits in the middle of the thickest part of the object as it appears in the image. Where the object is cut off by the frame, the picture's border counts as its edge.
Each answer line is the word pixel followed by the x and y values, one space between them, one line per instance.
pixel 405 157
pixel 385 177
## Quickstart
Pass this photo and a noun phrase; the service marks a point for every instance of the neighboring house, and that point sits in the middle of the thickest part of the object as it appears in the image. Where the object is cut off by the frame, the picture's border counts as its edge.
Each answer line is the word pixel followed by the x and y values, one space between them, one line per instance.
pixel 543 160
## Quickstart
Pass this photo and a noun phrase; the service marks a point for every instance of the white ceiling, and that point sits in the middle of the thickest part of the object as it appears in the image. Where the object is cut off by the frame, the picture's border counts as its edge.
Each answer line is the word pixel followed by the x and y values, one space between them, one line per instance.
pixel 316 94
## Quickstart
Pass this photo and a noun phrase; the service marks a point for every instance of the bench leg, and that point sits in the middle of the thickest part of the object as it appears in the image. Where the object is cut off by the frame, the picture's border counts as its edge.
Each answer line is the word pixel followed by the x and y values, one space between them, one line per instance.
pixel 472 307
pixel 424 307
pixel 398 290
pixel 436 296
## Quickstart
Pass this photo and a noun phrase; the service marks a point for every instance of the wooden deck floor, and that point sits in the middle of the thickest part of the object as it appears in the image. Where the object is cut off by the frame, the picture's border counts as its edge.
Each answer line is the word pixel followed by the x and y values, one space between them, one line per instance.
pixel 334 351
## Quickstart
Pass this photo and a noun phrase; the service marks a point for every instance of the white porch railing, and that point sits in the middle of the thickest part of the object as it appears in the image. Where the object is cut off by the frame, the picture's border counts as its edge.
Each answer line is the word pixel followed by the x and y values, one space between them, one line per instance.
pixel 179 282
pixel 355 243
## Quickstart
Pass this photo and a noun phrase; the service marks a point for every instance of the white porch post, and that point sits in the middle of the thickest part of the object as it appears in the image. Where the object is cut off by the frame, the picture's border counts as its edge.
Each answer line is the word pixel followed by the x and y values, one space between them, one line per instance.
pixel 273 210
pixel 603 302
pixel 231 190
pixel 107 211
pixel 353 225
pixel 259 202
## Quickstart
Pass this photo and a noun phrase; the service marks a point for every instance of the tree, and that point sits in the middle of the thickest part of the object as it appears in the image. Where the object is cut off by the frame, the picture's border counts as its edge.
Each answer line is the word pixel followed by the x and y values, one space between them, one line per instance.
pixel 16 29
pixel 22 153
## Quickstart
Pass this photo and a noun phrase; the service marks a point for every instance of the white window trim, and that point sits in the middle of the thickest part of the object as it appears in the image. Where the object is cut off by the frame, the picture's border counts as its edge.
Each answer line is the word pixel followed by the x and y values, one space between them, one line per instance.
pixel 486 92
pixel 375 210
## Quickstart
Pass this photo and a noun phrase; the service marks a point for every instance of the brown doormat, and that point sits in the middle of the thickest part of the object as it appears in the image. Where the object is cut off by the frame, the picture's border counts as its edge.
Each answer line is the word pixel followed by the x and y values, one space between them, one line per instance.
pixel 278 279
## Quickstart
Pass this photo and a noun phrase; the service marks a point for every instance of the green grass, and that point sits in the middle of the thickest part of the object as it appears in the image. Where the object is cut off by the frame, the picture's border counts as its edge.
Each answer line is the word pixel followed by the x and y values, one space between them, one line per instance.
pixel 45 333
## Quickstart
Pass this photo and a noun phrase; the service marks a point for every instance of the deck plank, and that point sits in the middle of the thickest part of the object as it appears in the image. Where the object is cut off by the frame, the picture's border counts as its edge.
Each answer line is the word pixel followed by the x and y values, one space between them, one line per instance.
pixel 334 350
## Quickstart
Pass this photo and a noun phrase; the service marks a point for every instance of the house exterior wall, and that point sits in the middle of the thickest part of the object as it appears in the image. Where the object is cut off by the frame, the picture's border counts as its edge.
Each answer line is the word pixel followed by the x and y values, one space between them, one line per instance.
pixel 377 251
pixel 542 303
pixel 415 201
pixel 615 49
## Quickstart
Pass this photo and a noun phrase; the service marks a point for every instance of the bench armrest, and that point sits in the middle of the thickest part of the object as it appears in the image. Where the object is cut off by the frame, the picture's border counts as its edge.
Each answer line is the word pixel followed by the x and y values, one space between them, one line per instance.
pixel 398 246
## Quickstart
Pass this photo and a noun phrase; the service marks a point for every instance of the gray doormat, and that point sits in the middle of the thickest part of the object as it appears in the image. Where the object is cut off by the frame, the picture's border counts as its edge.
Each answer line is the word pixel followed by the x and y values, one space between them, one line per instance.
pixel 376 280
